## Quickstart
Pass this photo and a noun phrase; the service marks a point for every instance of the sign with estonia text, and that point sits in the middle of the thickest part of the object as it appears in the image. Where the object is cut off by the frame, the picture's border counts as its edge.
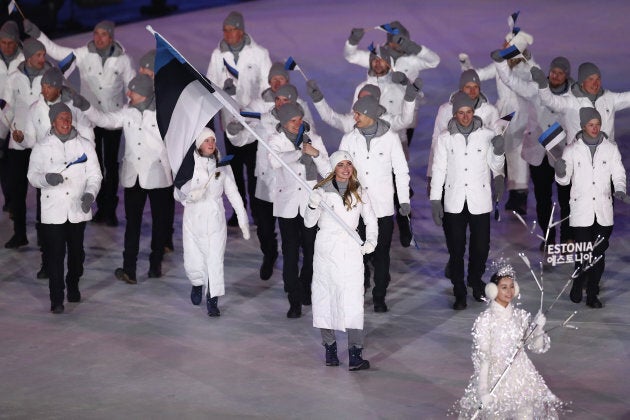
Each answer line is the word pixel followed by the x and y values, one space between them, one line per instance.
pixel 569 253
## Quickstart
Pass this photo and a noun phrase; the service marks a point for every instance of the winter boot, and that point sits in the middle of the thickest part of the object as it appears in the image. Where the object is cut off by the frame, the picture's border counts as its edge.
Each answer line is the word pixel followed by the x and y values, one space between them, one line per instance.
pixel 356 361
pixel 517 201
pixel 331 354
pixel 212 303
pixel 195 295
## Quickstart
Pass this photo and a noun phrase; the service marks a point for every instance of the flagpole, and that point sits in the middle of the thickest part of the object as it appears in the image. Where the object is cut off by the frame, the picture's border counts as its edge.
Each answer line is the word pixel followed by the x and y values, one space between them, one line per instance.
pixel 19 10
pixel 236 114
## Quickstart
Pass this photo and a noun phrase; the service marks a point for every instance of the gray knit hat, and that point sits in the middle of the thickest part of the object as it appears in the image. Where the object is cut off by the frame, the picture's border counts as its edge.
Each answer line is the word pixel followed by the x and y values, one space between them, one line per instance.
pixel 288 91
pixel 587 114
pixel 52 77
pixel 587 69
pixel 9 30
pixel 277 69
pixel 561 63
pixel 461 100
pixel 147 61
pixel 288 111
pixel 371 90
pixel 402 31
pixel 30 46
pixel 468 76
pixel 106 25
pixel 368 106
pixel 235 19
pixel 57 109
pixel 142 85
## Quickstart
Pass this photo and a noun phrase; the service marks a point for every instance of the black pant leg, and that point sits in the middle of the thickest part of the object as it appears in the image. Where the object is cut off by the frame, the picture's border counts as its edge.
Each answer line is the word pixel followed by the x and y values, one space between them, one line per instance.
pixel 479 225
pixel 249 160
pixel 135 199
pixel 380 257
pixel 564 198
pixel 159 199
pixel 107 146
pixel 291 233
pixel 75 233
pixel 18 169
pixel 266 227
pixel 54 244
pixel 308 249
pixel 455 225
pixel 543 178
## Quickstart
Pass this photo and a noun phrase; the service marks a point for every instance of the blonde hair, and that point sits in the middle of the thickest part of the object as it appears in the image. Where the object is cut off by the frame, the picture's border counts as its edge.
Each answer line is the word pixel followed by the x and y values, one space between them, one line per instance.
pixel 353 187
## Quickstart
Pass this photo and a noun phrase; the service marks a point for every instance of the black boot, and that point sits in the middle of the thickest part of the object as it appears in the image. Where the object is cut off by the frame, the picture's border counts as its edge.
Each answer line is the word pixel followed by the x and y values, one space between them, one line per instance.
pixel 195 295
pixel 127 277
pixel 155 271
pixel 331 354
pixel 266 269
pixel 517 201
pixel 379 304
pixel 295 311
pixel 460 303
pixel 212 304
pixel 356 362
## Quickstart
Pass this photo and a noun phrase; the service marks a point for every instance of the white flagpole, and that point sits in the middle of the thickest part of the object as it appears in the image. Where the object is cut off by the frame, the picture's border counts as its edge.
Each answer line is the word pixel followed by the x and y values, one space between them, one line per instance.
pixel 237 115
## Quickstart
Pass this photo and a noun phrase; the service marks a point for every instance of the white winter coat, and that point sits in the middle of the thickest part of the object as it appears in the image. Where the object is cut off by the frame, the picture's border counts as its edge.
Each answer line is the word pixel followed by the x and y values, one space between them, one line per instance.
pixel 145 156
pixel 253 69
pixel 463 170
pixel 62 202
pixel 411 65
pixel 590 180
pixel 607 104
pixel 103 85
pixel 4 74
pixel 290 196
pixel 337 289
pixel 375 167
pixel 38 121
pixel 20 93
pixel 204 232
pixel 487 112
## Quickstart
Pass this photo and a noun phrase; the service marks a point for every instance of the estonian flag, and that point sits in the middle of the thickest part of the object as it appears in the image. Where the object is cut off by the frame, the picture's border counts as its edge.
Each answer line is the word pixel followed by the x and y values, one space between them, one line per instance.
pixel 185 102
pixel 67 65
pixel 508 117
pixel 389 29
pixel 300 136
pixel 509 52
pixel 552 136
pixel 290 64
pixel 230 69
pixel 225 161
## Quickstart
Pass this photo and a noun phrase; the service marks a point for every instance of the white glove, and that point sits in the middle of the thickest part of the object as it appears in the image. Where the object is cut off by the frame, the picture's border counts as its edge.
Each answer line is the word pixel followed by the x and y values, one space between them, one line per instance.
pixel 195 195
pixel 367 248
pixel 540 320
pixel 487 400
pixel 464 61
pixel 315 198
pixel 245 230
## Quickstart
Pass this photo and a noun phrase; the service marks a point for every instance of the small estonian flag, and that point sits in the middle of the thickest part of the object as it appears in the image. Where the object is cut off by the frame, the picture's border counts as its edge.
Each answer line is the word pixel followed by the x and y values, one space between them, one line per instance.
pixel 11 7
pixel 509 52
pixel 230 69
pixel 250 114
pixel 290 64
pixel 67 65
pixel 80 159
pixel 552 136
pixel 372 48
pixel 512 19
pixel 300 136
pixel 225 161
pixel 508 117
pixel 389 29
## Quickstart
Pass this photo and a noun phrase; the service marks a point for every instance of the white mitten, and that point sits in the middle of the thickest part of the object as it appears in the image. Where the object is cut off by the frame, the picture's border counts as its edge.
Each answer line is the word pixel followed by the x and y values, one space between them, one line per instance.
pixel 315 198
pixel 195 195
pixel 464 61
pixel 367 248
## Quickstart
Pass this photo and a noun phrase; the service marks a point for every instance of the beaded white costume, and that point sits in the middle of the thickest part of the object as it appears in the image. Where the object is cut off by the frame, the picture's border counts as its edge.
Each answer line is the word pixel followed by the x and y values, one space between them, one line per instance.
pixel 522 393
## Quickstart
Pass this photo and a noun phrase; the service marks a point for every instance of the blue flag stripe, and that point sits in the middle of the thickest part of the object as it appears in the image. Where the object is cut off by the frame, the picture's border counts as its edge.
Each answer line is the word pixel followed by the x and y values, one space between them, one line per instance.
pixel 509 52
pixel 549 134
pixel 249 114
pixel 230 69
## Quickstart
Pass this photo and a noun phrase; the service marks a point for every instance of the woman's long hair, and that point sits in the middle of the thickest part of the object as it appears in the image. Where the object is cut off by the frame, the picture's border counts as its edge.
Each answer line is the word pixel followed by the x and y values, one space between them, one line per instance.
pixel 352 190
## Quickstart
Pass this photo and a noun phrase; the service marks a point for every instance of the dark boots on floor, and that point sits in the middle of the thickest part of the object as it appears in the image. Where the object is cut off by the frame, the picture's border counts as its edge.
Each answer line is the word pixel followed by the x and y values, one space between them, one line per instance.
pixel 517 201
pixel 196 294
pixel 356 362
pixel 212 304
pixel 331 354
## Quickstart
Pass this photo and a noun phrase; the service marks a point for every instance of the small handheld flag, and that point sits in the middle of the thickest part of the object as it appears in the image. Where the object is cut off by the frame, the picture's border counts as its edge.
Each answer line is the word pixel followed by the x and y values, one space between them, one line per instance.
pixel 388 28
pixel 512 22
pixel 11 7
pixel 230 69
pixel 290 64
pixel 249 114
pixel 80 159
pixel 551 137
pixel 300 136
pixel 67 65
pixel 507 118
pixel 225 160
pixel 372 48
pixel 510 52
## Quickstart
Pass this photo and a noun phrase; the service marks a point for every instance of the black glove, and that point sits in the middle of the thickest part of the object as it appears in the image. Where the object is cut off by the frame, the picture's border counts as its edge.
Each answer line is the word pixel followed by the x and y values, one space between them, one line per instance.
pixel 496 56
pixel 499 188
pixel 234 127
pixel 412 90
pixel 560 167
pixel 31 29
pixel 86 202
pixel 408 46
pixel 437 212
pixel 313 91
pixel 228 87
pixel 356 35
pixel 539 77
pixel 498 145
pixel 54 178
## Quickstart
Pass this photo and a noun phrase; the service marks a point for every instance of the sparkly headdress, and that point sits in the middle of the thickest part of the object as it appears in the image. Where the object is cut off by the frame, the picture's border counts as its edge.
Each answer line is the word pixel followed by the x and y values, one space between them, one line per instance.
pixel 503 268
